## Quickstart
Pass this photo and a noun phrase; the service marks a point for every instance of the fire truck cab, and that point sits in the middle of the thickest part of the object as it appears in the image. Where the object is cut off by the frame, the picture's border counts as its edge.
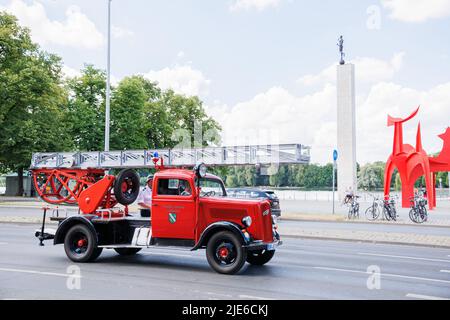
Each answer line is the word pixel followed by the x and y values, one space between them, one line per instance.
pixel 190 209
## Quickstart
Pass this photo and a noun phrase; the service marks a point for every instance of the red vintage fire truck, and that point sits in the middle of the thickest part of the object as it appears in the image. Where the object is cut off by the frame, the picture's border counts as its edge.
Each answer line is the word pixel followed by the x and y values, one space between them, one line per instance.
pixel 190 209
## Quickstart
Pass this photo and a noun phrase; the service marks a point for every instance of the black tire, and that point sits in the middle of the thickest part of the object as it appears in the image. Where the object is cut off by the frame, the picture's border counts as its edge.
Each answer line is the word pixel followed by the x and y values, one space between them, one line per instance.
pixel 225 253
pixel 412 215
pixel 80 244
pixel 127 251
pixel 126 187
pixel 416 216
pixel 372 213
pixel 260 257
pixel 387 214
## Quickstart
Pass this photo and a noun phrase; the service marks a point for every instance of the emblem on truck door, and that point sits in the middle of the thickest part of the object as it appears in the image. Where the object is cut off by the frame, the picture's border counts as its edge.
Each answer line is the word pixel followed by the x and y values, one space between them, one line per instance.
pixel 172 218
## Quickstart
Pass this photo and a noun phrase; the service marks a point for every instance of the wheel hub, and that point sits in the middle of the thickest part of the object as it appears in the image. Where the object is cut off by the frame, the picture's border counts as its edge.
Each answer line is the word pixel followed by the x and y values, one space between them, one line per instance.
pixel 81 243
pixel 223 253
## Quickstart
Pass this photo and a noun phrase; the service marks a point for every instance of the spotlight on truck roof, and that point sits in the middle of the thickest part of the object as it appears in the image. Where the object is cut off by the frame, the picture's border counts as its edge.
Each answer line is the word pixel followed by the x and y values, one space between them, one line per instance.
pixel 200 169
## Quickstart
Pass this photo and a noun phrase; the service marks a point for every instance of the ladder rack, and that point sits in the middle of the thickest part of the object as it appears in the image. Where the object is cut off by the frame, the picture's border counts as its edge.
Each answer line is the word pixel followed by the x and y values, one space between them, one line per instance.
pixel 211 156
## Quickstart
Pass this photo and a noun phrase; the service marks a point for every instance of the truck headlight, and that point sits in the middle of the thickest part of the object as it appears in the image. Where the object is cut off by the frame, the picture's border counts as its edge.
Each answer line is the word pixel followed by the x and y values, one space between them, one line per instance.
pixel 247 221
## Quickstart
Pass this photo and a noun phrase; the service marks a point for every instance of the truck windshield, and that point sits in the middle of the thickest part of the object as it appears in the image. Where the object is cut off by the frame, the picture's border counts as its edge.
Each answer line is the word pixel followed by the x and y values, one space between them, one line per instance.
pixel 212 188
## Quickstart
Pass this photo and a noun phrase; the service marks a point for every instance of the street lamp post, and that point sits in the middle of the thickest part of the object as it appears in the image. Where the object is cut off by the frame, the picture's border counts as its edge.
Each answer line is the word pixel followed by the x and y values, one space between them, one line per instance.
pixel 335 157
pixel 108 81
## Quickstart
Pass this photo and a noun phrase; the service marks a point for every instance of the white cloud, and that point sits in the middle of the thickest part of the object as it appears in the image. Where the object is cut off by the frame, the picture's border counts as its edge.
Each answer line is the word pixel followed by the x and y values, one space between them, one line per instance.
pixel 77 30
pixel 69 72
pixel 259 5
pixel 120 33
pixel 368 70
pixel 182 79
pixel 278 116
pixel 417 10
pixel 375 138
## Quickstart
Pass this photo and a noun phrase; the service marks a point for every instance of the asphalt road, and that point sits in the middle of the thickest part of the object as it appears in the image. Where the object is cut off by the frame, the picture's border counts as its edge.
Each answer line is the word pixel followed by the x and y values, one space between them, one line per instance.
pixel 301 269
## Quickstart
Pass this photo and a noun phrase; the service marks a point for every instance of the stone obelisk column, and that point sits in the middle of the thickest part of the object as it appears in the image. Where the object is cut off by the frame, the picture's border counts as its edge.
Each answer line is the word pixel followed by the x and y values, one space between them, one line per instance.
pixel 346 128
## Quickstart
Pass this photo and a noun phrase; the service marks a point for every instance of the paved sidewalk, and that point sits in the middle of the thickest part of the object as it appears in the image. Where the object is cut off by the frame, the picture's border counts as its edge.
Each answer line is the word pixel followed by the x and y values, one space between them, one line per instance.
pixel 367 236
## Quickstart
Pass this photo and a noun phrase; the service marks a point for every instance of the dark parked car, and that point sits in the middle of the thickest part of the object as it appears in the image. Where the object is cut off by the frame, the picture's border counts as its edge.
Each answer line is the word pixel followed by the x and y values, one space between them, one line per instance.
pixel 245 193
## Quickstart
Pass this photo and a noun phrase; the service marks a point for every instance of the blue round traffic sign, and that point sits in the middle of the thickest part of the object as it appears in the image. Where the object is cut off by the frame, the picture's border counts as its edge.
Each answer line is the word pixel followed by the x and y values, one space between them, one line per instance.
pixel 335 155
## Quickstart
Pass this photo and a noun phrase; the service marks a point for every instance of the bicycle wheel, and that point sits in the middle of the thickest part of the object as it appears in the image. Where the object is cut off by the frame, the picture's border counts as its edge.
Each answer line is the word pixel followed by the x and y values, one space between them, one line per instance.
pixel 386 214
pixel 350 214
pixel 412 215
pixel 392 214
pixel 425 214
pixel 372 213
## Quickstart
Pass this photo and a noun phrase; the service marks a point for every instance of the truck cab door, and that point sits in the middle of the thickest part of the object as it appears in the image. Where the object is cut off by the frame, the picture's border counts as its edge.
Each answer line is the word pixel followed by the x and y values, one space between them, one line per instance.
pixel 173 209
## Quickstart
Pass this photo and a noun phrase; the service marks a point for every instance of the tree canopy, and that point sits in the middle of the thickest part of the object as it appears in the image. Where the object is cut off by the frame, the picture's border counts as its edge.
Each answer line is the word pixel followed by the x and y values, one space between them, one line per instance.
pixel 42 111
pixel 32 99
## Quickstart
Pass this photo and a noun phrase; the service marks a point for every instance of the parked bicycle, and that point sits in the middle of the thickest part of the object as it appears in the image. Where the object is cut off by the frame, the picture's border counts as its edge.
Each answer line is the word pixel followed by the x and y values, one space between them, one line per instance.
pixel 387 206
pixel 418 212
pixel 353 207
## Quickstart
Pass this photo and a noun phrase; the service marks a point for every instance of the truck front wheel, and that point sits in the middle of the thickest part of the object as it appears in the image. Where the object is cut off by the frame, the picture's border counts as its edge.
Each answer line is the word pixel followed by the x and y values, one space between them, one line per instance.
pixel 225 253
pixel 260 257
pixel 80 244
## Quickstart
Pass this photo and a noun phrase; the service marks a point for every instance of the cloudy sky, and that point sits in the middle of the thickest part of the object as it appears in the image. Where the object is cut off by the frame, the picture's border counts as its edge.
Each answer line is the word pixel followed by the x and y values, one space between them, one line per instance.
pixel 266 68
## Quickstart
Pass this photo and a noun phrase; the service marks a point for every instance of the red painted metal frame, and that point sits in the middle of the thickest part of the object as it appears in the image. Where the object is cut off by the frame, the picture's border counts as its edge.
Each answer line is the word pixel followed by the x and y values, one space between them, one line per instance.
pixel 413 162
pixel 65 186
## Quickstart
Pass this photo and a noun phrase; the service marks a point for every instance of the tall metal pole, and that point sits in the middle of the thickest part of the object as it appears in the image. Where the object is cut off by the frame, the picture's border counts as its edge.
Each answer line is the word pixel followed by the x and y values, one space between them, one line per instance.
pixel 334 183
pixel 108 81
pixel 335 157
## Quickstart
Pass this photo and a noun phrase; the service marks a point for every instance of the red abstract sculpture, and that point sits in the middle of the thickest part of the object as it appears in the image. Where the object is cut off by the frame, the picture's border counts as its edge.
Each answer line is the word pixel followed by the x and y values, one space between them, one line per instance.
pixel 412 163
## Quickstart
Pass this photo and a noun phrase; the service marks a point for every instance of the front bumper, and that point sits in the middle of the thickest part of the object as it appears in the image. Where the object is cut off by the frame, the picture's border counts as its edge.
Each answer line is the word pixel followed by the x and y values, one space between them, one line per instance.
pixel 259 245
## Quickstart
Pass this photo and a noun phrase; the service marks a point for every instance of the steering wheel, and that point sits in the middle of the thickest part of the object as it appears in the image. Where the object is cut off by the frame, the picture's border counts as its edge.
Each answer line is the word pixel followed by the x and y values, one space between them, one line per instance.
pixel 209 194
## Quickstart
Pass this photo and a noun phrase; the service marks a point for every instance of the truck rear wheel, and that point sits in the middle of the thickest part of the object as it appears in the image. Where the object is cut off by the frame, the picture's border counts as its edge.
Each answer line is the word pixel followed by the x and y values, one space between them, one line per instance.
pixel 80 244
pixel 260 257
pixel 127 251
pixel 225 253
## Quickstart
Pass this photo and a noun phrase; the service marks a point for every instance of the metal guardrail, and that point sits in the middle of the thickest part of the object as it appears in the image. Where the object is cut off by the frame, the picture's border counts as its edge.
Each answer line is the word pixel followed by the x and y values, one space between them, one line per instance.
pixel 212 156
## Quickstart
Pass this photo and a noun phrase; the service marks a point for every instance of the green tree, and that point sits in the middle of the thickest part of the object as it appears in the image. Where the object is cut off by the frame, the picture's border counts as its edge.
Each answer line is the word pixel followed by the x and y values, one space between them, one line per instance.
pixel 130 103
pixel 311 175
pixel 86 109
pixel 280 178
pixel 176 119
pixel 32 99
pixel 398 182
pixel 371 176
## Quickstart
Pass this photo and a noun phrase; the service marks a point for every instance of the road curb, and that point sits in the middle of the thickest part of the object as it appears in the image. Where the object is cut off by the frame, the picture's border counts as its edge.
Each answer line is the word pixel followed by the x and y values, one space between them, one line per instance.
pixel 365 222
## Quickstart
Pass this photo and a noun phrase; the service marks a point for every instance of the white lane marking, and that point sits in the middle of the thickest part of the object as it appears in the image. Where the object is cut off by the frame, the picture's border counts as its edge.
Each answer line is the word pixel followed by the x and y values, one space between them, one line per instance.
pixel 218 294
pixel 384 274
pixel 424 297
pixel 40 273
pixel 244 296
pixel 445 271
pixel 402 257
